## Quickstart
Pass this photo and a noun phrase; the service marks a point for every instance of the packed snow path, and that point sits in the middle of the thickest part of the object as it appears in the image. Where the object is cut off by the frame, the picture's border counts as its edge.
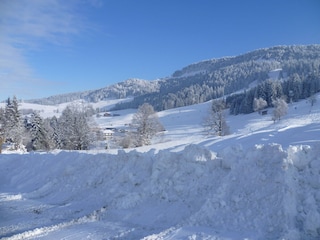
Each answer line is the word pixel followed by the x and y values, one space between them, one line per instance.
pixel 265 192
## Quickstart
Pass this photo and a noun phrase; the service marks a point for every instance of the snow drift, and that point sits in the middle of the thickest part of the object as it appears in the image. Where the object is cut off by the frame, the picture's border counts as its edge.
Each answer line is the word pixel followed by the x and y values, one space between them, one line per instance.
pixel 265 192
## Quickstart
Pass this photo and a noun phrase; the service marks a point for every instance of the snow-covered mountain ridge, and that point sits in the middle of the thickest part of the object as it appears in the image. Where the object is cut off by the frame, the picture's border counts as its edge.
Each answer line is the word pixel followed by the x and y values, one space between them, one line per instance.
pixel 205 80
pixel 260 182
pixel 129 88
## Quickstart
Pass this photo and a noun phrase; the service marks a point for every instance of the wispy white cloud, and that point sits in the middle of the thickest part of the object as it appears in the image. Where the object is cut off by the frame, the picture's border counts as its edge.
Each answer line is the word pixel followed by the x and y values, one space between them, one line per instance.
pixel 37 20
pixel 24 26
pixel 96 3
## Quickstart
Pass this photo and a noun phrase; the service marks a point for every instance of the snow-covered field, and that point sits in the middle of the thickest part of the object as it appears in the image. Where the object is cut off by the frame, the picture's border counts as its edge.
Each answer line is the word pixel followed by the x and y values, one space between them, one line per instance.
pixel 260 182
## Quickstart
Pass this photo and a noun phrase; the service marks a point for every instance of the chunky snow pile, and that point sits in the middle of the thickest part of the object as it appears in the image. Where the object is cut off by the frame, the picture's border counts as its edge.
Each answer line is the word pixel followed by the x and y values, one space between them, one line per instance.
pixel 264 192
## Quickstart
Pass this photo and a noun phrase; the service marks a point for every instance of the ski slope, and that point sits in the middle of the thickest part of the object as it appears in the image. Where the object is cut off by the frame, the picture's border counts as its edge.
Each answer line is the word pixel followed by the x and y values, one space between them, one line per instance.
pixel 260 182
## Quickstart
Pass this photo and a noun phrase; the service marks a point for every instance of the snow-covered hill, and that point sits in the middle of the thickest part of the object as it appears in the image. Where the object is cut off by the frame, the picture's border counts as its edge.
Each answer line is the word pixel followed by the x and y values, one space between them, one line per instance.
pixel 260 182
pixel 208 79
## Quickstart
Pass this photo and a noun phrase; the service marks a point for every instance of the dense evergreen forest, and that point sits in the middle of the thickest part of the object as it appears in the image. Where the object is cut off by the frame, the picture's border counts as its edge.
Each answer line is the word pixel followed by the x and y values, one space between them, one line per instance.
pixel 292 89
pixel 292 71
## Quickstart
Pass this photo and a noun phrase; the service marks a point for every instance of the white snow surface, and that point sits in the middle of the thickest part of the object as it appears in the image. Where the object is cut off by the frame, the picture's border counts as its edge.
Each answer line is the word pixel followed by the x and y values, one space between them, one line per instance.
pixel 275 74
pixel 260 182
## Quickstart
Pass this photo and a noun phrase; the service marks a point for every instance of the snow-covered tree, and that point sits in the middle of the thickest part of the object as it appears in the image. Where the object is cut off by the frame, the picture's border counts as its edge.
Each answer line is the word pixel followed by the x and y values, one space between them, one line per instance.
pixel 312 99
pixel 65 130
pixel 54 132
pixel 1 128
pixel 146 124
pixel 74 131
pixel 39 134
pixel 246 105
pixel 215 122
pixel 1 143
pixel 259 104
pixel 12 123
pixel 280 108
pixel 81 138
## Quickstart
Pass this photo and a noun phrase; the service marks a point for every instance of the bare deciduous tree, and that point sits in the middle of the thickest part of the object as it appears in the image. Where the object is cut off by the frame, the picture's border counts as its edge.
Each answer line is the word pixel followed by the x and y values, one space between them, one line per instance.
pixel 216 122
pixel 280 108
pixel 74 129
pixel 145 124
pixel 313 99
pixel 259 104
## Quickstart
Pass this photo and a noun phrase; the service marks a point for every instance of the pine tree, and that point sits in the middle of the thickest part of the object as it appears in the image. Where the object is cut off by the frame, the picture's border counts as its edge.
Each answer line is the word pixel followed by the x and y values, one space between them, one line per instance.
pixel 247 102
pixel 12 124
pixel 54 134
pixel 296 87
pixel 39 135
pixel 1 129
pixel 80 138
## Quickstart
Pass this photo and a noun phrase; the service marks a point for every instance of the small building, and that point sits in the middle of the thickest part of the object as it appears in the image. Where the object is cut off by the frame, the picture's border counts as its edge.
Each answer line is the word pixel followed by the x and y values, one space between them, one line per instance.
pixel 108 133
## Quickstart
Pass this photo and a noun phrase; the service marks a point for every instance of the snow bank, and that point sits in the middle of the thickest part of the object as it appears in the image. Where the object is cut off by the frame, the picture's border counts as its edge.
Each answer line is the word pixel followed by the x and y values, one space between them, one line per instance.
pixel 265 192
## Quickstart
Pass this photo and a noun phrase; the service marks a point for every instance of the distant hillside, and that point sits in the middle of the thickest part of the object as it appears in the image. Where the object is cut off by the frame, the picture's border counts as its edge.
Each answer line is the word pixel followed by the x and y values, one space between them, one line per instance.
pixel 215 78
pixel 208 79
pixel 128 88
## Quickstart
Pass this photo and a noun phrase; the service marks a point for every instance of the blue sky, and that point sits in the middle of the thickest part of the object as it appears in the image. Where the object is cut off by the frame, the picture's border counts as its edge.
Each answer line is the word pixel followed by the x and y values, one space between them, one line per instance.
pixel 49 47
